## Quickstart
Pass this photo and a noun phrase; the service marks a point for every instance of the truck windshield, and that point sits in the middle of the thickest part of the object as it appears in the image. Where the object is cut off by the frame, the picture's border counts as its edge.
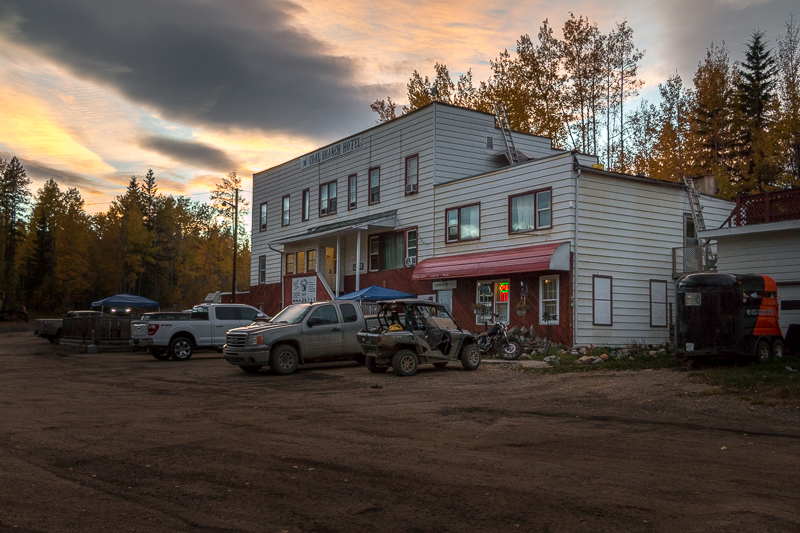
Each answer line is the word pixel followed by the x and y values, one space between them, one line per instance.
pixel 292 314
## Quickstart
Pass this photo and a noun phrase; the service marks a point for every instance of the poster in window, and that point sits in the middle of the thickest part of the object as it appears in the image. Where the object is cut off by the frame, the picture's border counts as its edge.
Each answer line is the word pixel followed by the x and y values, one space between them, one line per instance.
pixel 304 290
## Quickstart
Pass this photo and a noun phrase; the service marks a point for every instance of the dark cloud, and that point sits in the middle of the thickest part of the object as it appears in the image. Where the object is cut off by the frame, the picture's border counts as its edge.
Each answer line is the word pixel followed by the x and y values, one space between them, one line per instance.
pixel 223 63
pixel 190 153
pixel 40 172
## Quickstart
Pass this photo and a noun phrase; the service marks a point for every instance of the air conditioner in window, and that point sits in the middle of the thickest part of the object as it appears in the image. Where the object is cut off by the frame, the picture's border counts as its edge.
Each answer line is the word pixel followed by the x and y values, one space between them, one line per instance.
pixel 352 205
pixel 323 211
pixel 411 187
pixel 411 261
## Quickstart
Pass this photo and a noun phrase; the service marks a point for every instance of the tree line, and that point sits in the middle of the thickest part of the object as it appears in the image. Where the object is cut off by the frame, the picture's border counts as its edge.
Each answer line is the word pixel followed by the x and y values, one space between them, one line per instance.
pixel 173 250
pixel 738 121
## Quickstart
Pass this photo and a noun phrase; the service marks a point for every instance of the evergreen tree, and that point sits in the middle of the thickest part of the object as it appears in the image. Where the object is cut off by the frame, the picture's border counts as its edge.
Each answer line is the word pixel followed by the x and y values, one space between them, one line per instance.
pixel 756 109
pixel 14 200
pixel 789 94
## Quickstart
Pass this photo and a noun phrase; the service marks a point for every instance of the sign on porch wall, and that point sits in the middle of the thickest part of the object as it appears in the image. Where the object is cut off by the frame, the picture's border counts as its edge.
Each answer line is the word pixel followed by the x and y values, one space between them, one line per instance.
pixel 304 290
pixel 444 285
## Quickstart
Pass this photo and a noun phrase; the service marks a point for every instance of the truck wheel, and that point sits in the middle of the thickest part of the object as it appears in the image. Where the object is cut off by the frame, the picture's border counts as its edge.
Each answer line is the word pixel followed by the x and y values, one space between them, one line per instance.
pixel 763 352
pixel 510 351
pixel 251 369
pixel 181 348
pixel 777 348
pixel 404 363
pixel 159 353
pixel 283 360
pixel 470 357
pixel 374 367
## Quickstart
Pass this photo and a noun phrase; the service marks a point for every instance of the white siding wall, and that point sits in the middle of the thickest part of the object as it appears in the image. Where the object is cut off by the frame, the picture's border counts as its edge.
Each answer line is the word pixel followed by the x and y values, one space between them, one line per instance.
pixel 774 254
pixel 627 229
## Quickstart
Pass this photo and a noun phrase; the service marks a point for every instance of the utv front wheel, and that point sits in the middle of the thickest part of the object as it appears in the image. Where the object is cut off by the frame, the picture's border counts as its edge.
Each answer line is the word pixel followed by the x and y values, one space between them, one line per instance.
pixel 405 363
pixel 470 357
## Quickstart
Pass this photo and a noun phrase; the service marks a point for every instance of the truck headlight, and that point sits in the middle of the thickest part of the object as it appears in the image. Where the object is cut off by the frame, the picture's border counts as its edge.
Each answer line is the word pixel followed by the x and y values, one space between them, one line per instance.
pixel 254 340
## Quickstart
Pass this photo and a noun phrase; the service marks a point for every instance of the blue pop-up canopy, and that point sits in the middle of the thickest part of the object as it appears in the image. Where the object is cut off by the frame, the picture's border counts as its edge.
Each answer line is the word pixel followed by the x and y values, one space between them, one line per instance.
pixel 125 300
pixel 375 294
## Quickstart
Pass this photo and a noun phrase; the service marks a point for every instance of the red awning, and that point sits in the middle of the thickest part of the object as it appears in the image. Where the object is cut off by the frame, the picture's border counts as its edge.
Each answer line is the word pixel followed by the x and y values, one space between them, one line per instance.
pixel 551 256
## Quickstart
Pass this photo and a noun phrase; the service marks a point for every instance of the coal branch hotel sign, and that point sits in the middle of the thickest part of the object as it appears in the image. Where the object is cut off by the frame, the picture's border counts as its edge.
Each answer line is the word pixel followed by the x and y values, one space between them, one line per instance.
pixel 330 152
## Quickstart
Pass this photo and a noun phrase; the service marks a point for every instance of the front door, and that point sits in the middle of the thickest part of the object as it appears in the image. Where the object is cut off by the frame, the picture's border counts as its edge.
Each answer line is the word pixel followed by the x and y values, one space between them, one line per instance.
pixel 446 298
pixel 322 333
pixel 330 267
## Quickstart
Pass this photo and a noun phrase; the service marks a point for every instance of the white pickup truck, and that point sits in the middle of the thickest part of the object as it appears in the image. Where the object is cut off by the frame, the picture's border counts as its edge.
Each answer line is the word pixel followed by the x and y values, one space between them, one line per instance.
pixel 206 328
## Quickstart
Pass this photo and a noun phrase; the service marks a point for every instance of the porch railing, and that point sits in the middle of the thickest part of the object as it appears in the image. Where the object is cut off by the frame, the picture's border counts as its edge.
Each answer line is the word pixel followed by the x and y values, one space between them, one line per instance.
pixel 764 208
pixel 693 259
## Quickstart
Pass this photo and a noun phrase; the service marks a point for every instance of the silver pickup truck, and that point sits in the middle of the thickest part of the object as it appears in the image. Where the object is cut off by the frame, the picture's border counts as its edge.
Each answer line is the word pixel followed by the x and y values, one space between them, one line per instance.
pixel 206 327
pixel 300 334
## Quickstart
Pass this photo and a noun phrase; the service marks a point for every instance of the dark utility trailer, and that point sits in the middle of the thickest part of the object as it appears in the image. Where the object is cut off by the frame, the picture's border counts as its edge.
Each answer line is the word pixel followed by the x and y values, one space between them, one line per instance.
pixel 727 315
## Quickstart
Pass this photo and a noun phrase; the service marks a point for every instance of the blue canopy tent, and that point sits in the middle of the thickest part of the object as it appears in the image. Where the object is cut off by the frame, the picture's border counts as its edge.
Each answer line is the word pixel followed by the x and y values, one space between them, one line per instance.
pixel 375 294
pixel 125 301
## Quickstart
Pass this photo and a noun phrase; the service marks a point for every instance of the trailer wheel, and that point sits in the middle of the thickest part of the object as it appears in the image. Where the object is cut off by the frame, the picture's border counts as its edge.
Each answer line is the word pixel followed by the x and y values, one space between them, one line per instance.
pixel 777 348
pixel 763 351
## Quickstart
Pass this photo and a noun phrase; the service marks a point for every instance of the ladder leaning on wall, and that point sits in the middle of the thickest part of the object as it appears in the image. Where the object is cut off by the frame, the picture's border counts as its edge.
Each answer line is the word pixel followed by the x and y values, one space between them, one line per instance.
pixel 502 121
pixel 710 258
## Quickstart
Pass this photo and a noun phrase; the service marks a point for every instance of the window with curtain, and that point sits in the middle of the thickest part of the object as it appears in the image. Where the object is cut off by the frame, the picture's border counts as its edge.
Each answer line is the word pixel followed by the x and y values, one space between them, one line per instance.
pixel 463 223
pixel 412 169
pixel 392 250
pixel 530 211
pixel 306 204
pixel 262 218
pixel 285 211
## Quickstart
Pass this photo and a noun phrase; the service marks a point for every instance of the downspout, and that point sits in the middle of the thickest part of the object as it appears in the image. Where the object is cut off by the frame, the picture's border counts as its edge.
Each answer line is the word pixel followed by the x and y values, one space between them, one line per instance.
pixel 281 272
pixel 575 264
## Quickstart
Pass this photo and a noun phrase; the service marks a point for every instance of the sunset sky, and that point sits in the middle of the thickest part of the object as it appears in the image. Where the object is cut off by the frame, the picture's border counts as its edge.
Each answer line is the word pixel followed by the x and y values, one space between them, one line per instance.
pixel 94 91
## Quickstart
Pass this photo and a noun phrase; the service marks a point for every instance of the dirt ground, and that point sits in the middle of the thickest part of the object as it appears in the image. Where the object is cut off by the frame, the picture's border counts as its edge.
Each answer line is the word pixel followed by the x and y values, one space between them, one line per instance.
pixel 122 442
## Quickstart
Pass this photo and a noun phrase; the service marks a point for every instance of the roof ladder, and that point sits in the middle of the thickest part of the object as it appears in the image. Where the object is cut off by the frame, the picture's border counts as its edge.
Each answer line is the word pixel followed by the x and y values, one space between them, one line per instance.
pixel 694 203
pixel 709 256
pixel 502 121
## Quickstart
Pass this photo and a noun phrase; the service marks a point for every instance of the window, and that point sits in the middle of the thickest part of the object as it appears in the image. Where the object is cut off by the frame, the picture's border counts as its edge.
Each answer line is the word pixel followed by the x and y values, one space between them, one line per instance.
pixel 492 299
pixel 290 263
pixel 262 220
pixel 463 223
pixel 262 269
pixel 326 315
pixel 349 313
pixel 306 204
pixel 225 313
pixel 374 185
pixel 548 300
pixel 529 211
pixel 247 313
pixel 602 309
pixel 411 247
pixel 388 251
pixel 311 258
pixel 658 303
pixel 285 211
pixel 327 199
pixel 374 252
pixel 352 191
pixel 412 170
pixel 301 262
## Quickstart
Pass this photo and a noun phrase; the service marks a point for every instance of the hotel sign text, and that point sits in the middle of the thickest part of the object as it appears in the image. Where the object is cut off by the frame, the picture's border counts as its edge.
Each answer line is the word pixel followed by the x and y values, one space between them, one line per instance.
pixel 330 152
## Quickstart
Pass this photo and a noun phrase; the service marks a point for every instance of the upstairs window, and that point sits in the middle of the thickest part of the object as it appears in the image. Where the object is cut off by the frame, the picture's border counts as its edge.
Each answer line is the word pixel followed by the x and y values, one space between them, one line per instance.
pixel 463 223
pixel 530 211
pixel 327 199
pixel 352 191
pixel 285 211
pixel 262 217
pixel 374 185
pixel 306 204
pixel 412 170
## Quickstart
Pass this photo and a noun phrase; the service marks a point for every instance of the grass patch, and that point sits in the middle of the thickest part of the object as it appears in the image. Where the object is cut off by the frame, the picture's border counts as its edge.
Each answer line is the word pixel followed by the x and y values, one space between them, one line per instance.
pixel 768 384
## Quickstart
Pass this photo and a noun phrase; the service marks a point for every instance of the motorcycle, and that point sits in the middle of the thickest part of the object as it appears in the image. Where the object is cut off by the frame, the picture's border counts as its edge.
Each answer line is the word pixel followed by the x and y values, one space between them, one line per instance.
pixel 495 340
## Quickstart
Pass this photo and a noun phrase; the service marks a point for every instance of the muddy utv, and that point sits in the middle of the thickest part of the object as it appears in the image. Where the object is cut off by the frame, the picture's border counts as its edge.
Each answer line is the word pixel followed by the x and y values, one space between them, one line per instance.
pixel 413 332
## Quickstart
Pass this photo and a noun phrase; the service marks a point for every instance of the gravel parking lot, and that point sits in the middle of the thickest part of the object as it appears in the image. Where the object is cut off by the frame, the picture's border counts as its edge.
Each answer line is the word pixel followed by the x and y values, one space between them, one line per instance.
pixel 122 442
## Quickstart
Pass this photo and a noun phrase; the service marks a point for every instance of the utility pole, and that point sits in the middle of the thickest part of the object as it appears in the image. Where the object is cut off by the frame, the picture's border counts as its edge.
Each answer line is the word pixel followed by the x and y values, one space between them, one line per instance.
pixel 235 239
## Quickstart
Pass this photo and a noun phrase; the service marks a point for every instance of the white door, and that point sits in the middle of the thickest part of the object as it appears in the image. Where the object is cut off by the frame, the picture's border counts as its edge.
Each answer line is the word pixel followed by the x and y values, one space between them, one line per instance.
pixel 446 298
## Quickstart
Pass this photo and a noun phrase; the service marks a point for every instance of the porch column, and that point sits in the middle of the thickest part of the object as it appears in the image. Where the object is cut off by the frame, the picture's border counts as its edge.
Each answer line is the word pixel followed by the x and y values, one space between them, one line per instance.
pixel 338 263
pixel 358 260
